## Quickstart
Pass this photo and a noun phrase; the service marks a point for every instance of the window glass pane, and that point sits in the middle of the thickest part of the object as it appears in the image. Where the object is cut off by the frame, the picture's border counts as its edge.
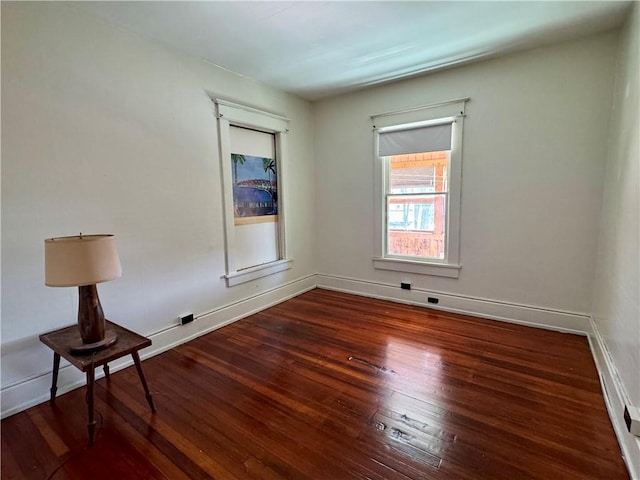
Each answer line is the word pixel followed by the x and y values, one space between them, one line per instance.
pixel 419 172
pixel 416 226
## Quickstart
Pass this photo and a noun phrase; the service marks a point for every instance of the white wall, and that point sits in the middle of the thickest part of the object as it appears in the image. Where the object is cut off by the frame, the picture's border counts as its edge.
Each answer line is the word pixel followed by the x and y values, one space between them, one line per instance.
pixel 104 131
pixel 533 163
pixel 107 132
pixel 616 308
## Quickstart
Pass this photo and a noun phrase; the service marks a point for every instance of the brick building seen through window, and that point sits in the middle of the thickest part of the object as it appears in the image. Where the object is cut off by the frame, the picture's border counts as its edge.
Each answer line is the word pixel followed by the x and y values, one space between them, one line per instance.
pixel 416 204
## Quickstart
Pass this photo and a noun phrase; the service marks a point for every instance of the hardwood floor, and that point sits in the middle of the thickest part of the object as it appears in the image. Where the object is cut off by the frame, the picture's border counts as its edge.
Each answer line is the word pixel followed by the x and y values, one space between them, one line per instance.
pixel 332 386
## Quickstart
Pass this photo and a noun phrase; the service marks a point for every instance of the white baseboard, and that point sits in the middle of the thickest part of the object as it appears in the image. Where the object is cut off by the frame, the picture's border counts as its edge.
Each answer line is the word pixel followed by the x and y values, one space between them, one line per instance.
pixel 615 397
pixel 569 322
pixel 35 390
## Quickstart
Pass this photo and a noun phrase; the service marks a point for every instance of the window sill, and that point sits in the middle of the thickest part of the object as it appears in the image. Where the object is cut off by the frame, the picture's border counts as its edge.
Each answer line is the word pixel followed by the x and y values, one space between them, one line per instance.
pixel 422 268
pixel 248 274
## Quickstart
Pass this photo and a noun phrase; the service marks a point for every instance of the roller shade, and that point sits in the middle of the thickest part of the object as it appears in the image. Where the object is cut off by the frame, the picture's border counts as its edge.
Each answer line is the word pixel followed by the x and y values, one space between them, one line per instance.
pixel 431 138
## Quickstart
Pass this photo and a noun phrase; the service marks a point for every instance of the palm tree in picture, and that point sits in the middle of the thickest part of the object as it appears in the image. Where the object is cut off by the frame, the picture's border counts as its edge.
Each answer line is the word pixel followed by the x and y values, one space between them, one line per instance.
pixel 269 165
pixel 236 158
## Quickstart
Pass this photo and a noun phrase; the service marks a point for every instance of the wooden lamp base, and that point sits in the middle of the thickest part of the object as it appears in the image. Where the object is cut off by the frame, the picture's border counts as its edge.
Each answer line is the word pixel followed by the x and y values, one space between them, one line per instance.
pixel 83 348
pixel 91 322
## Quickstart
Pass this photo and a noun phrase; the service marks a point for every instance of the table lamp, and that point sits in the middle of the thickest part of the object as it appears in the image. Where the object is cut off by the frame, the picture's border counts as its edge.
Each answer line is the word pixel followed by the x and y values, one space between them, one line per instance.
pixel 82 261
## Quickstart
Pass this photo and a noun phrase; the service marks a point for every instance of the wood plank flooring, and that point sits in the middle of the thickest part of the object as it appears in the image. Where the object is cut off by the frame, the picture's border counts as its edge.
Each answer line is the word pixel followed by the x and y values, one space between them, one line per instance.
pixel 333 386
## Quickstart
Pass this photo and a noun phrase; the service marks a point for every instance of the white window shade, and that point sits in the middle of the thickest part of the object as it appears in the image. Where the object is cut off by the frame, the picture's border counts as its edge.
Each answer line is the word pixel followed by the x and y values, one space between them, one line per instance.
pixel 430 138
pixel 251 142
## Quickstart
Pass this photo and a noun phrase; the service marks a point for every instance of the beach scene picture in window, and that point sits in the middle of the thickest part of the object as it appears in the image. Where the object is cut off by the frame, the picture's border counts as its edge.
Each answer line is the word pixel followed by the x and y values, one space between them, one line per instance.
pixel 255 189
pixel 417 190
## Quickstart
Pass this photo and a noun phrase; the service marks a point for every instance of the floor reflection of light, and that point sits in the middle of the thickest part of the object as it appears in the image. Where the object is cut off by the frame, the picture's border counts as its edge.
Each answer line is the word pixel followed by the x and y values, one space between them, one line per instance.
pixel 414 365
pixel 411 414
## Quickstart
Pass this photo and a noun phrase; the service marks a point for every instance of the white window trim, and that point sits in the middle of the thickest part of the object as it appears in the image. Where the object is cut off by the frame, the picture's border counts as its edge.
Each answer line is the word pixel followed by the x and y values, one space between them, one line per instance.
pixel 234 114
pixel 424 115
pixel 412 266
pixel 253 273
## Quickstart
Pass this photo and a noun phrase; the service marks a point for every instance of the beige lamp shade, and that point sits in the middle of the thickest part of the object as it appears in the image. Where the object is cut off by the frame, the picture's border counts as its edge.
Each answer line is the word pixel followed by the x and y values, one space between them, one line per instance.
pixel 80 260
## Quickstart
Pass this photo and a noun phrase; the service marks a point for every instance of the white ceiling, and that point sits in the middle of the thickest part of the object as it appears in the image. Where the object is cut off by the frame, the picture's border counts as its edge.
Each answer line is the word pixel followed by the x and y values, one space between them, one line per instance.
pixel 318 49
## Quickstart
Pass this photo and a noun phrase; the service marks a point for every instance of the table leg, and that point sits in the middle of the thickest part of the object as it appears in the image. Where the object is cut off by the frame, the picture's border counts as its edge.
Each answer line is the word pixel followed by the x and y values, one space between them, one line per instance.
pixel 54 382
pixel 106 371
pixel 136 360
pixel 91 423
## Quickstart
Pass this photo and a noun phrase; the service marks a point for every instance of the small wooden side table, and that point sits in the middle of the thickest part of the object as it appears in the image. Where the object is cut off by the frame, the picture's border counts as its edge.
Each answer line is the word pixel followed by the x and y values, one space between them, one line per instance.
pixel 128 343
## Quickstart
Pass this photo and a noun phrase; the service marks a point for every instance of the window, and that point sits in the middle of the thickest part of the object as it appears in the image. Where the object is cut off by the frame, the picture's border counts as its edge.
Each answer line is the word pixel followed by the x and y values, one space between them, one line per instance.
pixel 252 146
pixel 416 201
pixel 418 189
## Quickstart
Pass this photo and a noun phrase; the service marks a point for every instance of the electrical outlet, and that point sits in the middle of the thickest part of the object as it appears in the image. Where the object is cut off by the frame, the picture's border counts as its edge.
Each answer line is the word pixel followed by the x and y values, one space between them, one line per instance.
pixel 632 419
pixel 186 318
